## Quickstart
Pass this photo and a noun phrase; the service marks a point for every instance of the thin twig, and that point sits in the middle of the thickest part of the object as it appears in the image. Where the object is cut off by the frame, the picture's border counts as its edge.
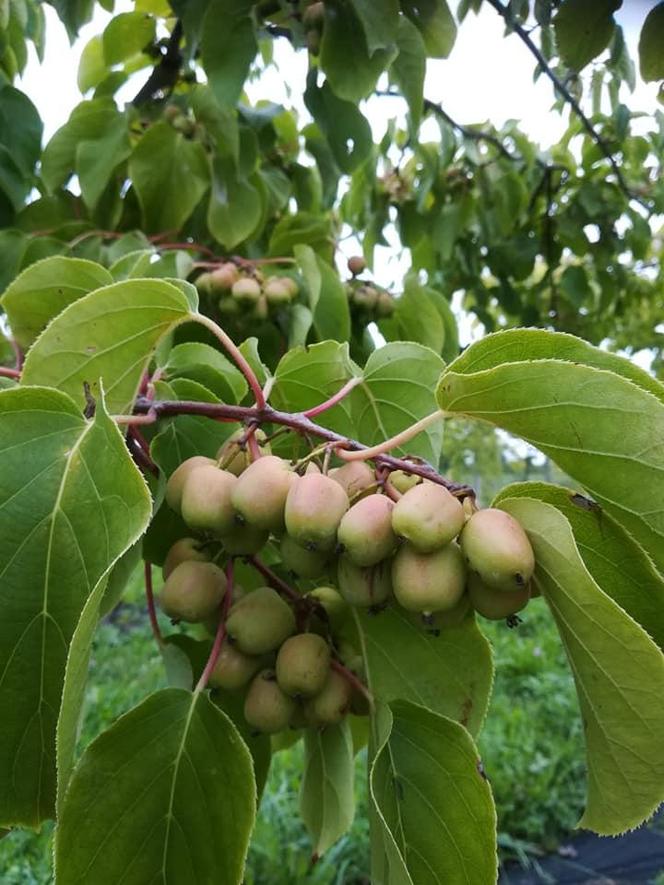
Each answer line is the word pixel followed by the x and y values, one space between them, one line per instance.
pixel 236 354
pixel 333 400
pixel 149 597
pixel 352 679
pixel 6 372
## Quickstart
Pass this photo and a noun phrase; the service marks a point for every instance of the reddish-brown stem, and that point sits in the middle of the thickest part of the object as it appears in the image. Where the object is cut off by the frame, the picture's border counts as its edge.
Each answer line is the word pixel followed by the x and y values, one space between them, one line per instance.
pixel 149 597
pixel 220 635
pixel 252 443
pixel 18 352
pixel 236 354
pixel 352 679
pixel 10 373
pixel 148 418
pixel 301 424
pixel 333 400
pixel 275 581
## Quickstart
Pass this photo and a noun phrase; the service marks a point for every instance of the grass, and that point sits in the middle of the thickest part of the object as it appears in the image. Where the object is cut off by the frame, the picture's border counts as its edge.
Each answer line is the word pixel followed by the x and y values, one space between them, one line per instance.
pixel 531 747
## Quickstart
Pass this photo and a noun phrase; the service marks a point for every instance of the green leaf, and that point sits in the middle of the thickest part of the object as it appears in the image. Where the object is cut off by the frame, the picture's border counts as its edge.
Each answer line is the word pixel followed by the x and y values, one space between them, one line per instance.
pixel 20 129
pixel 450 673
pixel 306 377
pixel 651 40
pixel 327 801
pixel 204 364
pixel 435 22
pixel 167 793
pixel 415 318
pixel 170 175
pixel 126 35
pixel 111 334
pixel 71 502
pixel 302 228
pixel 379 22
pixel 92 67
pixel 45 289
pixel 346 130
pixel 351 69
pixel 331 314
pixel 259 745
pixel 235 209
pixel 618 671
pixel 249 350
pixel 434 804
pixel 583 30
pixel 574 413
pixel 228 47
pixel 119 577
pixel 409 68
pixel 398 390
pixel 617 564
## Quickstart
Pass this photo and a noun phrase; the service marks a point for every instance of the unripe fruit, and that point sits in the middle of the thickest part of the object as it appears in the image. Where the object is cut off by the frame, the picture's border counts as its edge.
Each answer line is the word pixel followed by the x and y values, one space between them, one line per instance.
pixel 244 540
pixel 266 707
pixel 302 665
pixel 223 278
pixel 246 289
pixel 365 531
pixel 206 499
pixel 184 550
pixel 364 587
pixel 260 622
pixel 365 296
pixel 203 283
pixel 176 480
pixel 497 548
pixel 314 16
pixel 385 304
pixel 428 516
pixel 495 604
pixel 233 668
pixel 290 284
pixel 356 264
pixel 354 477
pixel 403 481
pixel 305 563
pixel 260 493
pixel 333 603
pixel 228 306
pixel 277 291
pixel 428 582
pixel 211 624
pixel 331 704
pixel 193 591
pixel 314 507
pixel 232 457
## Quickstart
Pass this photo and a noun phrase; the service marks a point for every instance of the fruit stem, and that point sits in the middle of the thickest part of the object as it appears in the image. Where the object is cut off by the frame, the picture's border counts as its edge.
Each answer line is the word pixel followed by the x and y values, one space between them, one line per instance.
pixel 234 351
pixel 392 443
pixel 149 597
pixel 220 635
pixel 353 680
pixel 278 583
pixel 333 400
pixel 252 443
pixel 9 373
pixel 148 418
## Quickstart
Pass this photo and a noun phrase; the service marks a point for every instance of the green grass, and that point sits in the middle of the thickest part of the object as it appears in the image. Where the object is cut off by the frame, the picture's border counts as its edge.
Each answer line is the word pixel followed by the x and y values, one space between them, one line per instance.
pixel 531 747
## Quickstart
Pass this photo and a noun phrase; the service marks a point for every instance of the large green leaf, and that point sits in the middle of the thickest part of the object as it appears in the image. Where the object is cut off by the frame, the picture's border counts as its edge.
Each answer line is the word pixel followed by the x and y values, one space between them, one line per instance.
pixel 583 30
pixel 165 795
pixel 347 131
pixel 434 19
pixel 235 208
pixel 415 318
pixel 433 801
pixel 71 502
pixel 618 565
pixel 409 68
pixel 127 34
pixel 577 415
pixel 327 297
pixel 619 675
pixel 327 801
pixel 228 47
pixel 398 389
pixel 20 130
pixel 450 673
pixel 379 21
pixel 170 175
pixel 110 334
pixel 44 289
pixel 651 39
pixel 204 364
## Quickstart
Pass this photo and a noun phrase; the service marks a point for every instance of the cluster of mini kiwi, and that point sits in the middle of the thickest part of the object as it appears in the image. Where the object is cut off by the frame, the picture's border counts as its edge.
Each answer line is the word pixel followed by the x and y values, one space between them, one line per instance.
pixel 366 297
pixel 247 292
pixel 349 538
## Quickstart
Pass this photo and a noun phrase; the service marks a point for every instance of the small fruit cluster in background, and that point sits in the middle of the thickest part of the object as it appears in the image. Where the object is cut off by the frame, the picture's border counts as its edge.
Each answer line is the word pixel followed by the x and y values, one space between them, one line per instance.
pixel 247 292
pixel 350 538
pixel 364 296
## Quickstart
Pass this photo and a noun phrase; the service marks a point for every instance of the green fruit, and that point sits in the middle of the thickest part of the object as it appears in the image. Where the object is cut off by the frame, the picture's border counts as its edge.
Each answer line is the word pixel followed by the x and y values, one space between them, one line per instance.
pixel 223 278
pixel 206 499
pixel 428 582
pixel 211 624
pixel 277 291
pixel 356 265
pixel 304 563
pixel 203 283
pixel 244 540
pixel 495 604
pixel 233 668
pixel 434 622
pixel 428 516
pixel 354 477
pixel 261 310
pixel 193 591
pixel 266 707
pixel 260 622
pixel 403 481
pixel 385 304
pixel 176 480
pixel 261 491
pixel 365 531
pixel 246 289
pixel 364 587
pixel 184 550
pixel 331 704
pixel 228 307
pixel 498 550
pixel 233 457
pixel 314 507
pixel 302 665
pixel 333 603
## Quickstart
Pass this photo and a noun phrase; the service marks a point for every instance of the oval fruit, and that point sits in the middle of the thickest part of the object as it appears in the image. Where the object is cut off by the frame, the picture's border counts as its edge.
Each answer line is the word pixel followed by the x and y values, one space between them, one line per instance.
pixel 332 703
pixel 233 668
pixel 260 493
pixel 177 479
pixel 206 499
pixel 266 707
pixel 365 531
pixel 302 665
pixel 428 516
pixel 428 582
pixel 496 604
pixel 193 591
pixel 498 550
pixel 183 550
pixel 314 507
pixel 260 621
pixel 364 587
